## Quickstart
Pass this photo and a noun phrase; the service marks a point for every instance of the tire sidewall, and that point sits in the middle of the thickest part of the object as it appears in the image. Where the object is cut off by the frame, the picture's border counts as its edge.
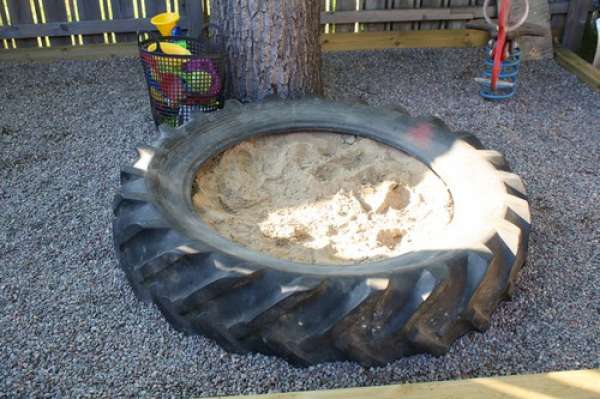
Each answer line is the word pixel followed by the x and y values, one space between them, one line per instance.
pixel 468 176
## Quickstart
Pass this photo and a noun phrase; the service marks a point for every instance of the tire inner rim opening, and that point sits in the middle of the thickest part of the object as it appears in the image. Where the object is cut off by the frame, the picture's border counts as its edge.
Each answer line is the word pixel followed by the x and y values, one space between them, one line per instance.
pixel 321 198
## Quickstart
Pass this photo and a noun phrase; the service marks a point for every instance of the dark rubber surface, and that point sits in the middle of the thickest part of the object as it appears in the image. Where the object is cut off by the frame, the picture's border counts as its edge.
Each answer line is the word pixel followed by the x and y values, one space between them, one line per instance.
pixel 371 313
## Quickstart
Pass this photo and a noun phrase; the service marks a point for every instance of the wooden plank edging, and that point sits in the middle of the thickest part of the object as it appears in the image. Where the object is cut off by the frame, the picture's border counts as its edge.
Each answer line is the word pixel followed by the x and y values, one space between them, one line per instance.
pixel 458 38
pixel 572 384
pixel 578 66
pixel 86 52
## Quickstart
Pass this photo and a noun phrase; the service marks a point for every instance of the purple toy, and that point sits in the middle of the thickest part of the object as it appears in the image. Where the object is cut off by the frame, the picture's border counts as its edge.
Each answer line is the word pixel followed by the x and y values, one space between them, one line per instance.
pixel 205 65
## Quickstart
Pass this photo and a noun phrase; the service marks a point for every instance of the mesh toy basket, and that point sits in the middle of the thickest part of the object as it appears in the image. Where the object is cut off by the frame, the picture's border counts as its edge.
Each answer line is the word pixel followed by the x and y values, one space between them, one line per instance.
pixel 179 85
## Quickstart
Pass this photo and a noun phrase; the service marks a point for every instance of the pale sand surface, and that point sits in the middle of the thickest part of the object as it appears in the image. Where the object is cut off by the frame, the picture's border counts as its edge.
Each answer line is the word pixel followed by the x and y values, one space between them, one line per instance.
pixel 321 198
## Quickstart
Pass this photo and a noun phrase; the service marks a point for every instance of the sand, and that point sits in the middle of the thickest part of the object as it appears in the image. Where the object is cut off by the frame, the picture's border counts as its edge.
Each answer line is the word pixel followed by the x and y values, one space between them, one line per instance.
pixel 321 198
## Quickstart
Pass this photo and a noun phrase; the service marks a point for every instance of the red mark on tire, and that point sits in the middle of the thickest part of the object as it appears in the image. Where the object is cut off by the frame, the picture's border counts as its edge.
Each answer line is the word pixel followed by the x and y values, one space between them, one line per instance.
pixel 422 134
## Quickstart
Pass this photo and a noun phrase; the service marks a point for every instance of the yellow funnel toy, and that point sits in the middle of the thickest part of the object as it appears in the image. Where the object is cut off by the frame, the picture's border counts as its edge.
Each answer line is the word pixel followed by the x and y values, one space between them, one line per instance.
pixel 165 22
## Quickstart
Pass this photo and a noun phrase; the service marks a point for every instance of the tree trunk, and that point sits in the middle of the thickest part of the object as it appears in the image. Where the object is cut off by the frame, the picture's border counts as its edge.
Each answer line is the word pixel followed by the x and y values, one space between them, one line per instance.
pixel 272 46
pixel 535 47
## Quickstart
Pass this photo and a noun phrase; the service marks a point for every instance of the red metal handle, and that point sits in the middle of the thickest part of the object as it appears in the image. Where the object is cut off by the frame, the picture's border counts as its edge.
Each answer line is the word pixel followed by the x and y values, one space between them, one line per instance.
pixel 498 52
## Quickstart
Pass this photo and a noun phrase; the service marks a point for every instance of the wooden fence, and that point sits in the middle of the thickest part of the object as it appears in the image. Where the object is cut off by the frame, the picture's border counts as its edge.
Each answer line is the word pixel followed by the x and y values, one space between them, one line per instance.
pixel 46 23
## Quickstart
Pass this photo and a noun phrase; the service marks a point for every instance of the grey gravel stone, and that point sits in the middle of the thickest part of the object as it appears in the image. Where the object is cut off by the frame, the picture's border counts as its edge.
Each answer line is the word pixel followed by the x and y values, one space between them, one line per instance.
pixel 70 326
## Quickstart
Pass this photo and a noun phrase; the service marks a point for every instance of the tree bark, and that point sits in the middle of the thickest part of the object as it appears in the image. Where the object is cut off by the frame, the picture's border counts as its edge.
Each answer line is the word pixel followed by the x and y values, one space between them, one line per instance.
pixel 272 46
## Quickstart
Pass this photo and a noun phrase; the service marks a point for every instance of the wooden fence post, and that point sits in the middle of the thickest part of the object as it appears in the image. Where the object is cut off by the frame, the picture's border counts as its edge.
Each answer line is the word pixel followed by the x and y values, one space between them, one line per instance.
pixel 403 26
pixel 345 5
pixel 458 3
pixel 90 11
pixel 195 15
pixel 374 5
pixel 576 18
pixel 21 14
pixel 431 4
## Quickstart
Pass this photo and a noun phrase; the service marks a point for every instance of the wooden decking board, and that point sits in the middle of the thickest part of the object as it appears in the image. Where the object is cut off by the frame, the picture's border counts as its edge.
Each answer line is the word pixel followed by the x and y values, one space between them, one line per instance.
pixel 573 384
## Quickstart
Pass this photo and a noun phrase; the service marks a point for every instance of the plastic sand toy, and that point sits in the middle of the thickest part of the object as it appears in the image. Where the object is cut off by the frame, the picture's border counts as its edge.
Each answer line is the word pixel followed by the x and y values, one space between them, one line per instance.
pixel 169 48
pixel 165 22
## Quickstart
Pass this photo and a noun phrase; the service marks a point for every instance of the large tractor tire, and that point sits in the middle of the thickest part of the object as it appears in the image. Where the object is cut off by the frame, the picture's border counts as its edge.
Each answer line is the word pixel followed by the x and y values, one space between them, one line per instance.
pixel 371 313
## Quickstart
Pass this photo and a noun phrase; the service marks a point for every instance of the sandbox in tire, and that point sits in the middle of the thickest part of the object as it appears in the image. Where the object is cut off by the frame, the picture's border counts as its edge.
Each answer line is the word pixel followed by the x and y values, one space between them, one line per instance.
pixel 371 312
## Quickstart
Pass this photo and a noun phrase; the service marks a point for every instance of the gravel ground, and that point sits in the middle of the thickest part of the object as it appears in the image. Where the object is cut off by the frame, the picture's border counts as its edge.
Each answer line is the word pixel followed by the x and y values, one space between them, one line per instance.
pixel 70 326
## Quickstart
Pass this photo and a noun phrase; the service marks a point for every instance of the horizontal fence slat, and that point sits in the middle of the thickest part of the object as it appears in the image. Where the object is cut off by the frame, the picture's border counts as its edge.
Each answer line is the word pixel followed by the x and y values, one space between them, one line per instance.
pixel 403 15
pixel 419 14
pixel 559 8
pixel 81 27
